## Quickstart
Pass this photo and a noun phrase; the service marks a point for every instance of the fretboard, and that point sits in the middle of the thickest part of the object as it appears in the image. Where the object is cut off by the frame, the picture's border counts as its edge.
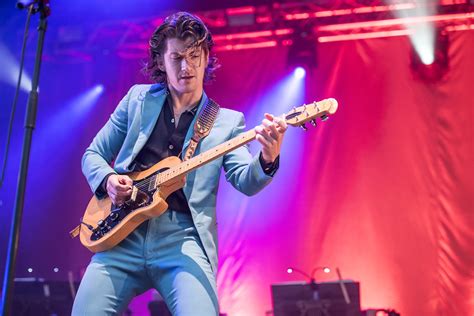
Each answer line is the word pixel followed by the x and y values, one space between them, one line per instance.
pixel 189 165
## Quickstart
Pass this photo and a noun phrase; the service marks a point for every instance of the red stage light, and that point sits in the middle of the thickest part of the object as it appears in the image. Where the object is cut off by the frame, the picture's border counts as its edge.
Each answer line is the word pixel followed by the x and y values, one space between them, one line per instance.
pixel 437 70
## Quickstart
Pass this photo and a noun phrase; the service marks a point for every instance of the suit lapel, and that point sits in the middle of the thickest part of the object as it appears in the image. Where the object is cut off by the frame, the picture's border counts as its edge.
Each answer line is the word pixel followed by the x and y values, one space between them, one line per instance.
pixel 150 111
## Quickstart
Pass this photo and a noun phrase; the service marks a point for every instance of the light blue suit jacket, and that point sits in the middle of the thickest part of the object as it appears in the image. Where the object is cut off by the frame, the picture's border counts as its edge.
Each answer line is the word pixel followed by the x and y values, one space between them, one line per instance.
pixel 130 126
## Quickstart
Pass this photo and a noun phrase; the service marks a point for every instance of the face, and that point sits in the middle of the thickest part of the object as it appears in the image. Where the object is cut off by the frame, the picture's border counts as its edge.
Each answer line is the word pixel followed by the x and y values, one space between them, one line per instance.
pixel 184 66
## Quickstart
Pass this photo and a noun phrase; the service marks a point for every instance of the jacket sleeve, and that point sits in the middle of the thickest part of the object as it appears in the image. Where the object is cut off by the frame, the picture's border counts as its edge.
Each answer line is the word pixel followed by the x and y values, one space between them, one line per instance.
pixel 242 170
pixel 105 147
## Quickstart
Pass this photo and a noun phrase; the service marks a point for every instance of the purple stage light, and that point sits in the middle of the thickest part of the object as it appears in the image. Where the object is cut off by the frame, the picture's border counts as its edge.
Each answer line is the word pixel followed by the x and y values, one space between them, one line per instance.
pixel 98 89
pixel 10 69
pixel 299 72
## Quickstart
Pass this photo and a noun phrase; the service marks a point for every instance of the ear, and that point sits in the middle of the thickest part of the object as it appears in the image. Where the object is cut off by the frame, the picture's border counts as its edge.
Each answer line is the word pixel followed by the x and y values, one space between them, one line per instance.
pixel 161 64
pixel 206 57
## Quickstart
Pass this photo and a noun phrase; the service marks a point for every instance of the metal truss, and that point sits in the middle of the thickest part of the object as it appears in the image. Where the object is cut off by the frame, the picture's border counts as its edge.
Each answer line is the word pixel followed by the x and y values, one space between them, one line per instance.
pixel 269 25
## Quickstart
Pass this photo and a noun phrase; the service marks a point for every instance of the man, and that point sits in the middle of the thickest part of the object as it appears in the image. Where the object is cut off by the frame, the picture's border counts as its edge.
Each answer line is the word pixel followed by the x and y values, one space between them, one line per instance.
pixel 176 253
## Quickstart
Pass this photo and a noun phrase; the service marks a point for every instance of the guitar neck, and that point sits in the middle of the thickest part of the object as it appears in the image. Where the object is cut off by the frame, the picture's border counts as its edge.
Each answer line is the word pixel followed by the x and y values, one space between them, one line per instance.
pixel 189 165
pixel 296 117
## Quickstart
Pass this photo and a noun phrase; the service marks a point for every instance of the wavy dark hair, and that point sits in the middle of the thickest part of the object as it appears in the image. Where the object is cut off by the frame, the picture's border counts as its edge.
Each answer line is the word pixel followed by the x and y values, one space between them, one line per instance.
pixel 181 25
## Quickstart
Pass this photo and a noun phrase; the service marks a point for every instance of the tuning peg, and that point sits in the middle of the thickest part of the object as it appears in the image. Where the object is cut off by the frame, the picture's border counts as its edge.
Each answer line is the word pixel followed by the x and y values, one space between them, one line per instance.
pixel 303 126
pixel 313 122
pixel 324 117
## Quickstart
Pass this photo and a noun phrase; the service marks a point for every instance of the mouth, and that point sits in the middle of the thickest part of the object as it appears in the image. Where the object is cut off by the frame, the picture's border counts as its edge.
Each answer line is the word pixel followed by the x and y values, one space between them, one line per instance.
pixel 186 77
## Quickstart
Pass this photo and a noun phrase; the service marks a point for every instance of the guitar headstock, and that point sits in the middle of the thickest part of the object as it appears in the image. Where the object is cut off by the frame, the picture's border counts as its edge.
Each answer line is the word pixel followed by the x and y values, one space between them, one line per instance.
pixel 309 112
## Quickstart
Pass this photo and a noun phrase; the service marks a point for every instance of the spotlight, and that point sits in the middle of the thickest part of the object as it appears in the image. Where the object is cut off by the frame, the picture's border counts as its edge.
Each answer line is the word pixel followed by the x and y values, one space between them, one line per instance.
pixel 10 69
pixel 56 269
pixel 30 270
pixel 302 52
pixel 423 40
pixel 427 58
pixel 289 270
pixel 299 72
pixel 99 89
pixel 432 67
pixel 326 270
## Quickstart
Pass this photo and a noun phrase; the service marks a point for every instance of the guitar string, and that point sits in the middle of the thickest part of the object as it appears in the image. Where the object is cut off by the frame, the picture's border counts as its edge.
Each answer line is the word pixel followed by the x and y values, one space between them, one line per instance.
pixel 144 184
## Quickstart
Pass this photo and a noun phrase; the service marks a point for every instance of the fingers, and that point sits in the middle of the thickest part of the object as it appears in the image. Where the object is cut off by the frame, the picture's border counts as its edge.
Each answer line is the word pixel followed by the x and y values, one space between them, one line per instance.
pixel 265 134
pixel 280 122
pixel 262 140
pixel 119 188
pixel 272 127
pixel 125 180
pixel 270 135
pixel 123 183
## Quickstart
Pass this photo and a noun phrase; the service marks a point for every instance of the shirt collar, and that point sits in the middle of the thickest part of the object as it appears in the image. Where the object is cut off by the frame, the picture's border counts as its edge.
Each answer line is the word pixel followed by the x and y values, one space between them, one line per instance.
pixel 193 111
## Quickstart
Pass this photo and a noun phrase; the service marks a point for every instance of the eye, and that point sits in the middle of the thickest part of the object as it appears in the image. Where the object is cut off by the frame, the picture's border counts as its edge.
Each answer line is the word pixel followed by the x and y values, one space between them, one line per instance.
pixel 175 57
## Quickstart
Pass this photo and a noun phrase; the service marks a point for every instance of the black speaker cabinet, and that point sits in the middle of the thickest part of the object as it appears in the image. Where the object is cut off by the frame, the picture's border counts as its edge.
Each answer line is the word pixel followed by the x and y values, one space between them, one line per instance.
pixel 38 297
pixel 315 299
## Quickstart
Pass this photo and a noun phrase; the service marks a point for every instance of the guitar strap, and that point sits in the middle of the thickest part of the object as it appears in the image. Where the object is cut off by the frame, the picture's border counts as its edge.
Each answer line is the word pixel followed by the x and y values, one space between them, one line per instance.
pixel 202 127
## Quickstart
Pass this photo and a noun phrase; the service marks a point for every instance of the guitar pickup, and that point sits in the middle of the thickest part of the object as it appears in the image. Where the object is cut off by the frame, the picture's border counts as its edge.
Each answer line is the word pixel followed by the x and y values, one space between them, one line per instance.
pixel 133 198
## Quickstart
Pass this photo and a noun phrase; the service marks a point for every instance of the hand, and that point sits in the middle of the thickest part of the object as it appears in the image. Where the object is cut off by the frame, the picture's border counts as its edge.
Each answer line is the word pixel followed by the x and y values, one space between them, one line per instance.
pixel 119 188
pixel 270 135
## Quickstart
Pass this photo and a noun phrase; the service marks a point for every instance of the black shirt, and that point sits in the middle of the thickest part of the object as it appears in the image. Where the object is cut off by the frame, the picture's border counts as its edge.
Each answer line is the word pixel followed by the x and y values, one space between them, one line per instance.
pixel 166 140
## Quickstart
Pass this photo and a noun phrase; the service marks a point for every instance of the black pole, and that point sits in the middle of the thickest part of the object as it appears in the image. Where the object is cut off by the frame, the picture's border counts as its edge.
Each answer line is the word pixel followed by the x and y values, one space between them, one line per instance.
pixel 30 120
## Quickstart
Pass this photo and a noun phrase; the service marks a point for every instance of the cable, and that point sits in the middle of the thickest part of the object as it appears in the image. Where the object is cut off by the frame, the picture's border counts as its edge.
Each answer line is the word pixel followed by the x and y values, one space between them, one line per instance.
pixel 15 99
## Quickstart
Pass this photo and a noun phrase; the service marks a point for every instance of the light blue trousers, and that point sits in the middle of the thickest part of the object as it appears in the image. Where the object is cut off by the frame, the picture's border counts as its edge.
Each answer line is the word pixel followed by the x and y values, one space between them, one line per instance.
pixel 164 253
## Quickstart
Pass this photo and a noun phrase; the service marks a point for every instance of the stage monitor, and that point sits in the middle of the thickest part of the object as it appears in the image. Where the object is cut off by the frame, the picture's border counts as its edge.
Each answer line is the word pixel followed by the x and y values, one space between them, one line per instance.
pixel 317 299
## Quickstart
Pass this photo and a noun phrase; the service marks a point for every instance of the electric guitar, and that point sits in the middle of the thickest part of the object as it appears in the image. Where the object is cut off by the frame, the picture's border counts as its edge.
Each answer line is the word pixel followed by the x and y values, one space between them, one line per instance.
pixel 151 187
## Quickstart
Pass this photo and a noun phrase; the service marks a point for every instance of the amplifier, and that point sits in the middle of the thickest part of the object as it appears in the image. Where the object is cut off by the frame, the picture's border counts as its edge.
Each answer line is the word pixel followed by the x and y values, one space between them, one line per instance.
pixel 315 299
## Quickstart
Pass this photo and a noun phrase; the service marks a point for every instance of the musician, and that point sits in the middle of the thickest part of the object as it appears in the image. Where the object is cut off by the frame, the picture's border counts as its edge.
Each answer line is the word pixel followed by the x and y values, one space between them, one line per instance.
pixel 175 253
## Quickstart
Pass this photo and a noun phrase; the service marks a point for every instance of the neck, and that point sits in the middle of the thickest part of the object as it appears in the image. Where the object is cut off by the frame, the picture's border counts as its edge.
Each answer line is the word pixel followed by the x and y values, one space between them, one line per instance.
pixel 184 101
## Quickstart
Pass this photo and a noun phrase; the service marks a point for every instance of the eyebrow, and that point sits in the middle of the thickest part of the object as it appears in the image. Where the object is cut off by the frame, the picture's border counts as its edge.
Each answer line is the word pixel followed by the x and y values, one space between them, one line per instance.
pixel 187 51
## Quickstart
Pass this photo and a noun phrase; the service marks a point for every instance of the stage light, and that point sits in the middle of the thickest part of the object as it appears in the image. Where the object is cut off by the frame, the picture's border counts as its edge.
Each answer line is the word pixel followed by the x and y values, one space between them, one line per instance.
pixel 423 40
pixel 299 72
pixel 422 34
pixel 99 89
pixel 302 52
pixel 326 270
pixel 88 98
pixel 30 270
pixel 56 270
pixel 72 114
pixel 243 16
pixel 435 66
pixel 427 57
pixel 289 270
pixel 10 68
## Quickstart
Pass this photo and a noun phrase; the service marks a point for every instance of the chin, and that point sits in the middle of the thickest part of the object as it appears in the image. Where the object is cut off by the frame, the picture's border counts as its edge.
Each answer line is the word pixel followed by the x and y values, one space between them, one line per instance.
pixel 187 88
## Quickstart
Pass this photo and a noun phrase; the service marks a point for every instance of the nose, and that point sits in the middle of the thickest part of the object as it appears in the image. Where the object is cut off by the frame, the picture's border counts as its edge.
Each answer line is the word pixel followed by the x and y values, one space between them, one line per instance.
pixel 184 64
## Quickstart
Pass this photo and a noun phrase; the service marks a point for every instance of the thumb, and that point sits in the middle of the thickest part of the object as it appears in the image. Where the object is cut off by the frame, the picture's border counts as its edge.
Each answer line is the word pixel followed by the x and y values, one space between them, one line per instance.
pixel 125 180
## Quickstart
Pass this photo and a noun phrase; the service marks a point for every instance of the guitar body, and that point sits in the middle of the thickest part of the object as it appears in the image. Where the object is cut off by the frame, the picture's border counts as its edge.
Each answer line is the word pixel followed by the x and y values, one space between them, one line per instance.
pixel 100 209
